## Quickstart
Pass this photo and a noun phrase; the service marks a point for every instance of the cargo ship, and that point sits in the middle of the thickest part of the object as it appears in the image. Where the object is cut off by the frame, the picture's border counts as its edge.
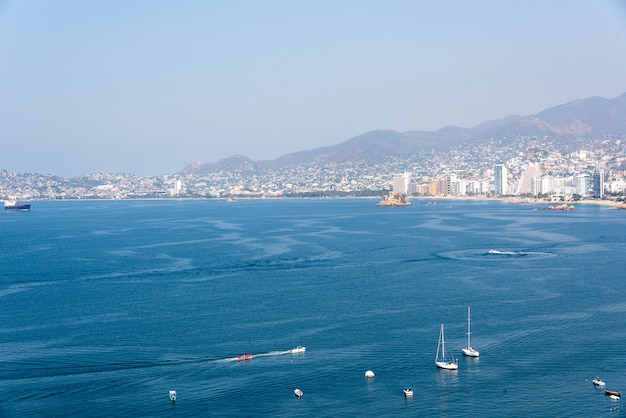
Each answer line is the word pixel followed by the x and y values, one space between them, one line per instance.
pixel 13 205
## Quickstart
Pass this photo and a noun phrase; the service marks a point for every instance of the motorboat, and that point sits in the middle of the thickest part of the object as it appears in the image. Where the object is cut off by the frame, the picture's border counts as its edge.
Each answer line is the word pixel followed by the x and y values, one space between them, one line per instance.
pixel 369 374
pixel 173 395
pixel 613 393
pixel 598 382
pixel 298 393
pixel 244 357
pixel 297 350
pixel 408 392
pixel 442 360
pixel 469 351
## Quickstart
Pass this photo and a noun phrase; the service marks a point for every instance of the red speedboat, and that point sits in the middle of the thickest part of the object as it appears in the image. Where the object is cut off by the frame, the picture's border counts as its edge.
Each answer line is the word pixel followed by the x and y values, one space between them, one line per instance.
pixel 244 357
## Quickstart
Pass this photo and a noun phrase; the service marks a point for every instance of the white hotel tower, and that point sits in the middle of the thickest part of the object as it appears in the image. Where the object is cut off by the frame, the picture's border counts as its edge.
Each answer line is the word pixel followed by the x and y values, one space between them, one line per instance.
pixel 401 183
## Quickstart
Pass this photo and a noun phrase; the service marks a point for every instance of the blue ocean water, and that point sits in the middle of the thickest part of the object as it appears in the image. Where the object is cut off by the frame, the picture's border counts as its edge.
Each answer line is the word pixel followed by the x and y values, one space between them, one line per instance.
pixel 108 305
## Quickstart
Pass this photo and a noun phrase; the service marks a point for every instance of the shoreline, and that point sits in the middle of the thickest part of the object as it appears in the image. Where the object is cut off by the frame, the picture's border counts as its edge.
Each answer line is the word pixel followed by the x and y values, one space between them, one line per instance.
pixel 517 200
pixel 511 200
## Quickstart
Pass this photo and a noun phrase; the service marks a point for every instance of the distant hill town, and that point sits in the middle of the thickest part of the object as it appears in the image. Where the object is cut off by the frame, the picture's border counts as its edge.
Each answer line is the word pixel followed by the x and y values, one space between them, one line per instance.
pixel 554 152
pixel 564 125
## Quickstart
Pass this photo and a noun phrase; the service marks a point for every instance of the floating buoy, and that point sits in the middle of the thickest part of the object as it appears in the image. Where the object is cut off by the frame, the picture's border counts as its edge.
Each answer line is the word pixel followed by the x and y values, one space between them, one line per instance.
pixel 298 393
pixel 369 374
pixel 173 395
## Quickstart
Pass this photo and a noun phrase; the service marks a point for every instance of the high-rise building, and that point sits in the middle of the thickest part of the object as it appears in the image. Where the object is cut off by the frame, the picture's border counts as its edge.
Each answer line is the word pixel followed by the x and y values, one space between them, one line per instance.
pixel 452 185
pixel 433 187
pixel 177 189
pixel 582 183
pixel 500 179
pixel 598 184
pixel 401 183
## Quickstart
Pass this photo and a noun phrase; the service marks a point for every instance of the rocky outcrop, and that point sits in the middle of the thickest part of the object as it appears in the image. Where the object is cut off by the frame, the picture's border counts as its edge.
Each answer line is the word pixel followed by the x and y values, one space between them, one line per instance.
pixel 564 206
pixel 394 199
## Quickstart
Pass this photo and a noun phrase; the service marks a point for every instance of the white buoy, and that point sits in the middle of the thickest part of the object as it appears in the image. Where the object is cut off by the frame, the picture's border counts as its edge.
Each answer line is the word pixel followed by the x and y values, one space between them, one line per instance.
pixel 173 395
pixel 369 374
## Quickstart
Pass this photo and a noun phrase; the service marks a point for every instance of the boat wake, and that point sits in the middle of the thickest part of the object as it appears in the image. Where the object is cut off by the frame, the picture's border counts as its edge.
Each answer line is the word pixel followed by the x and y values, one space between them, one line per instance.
pixel 273 353
pixel 494 255
pixel 239 358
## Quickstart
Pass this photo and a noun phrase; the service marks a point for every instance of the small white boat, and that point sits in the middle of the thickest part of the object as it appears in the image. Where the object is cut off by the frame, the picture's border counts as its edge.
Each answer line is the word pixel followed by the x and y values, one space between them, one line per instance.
pixel 442 360
pixel 173 395
pixel 369 374
pixel 297 350
pixel 298 393
pixel 469 351
pixel 614 397
pixel 598 382
pixel 408 391
pixel 494 251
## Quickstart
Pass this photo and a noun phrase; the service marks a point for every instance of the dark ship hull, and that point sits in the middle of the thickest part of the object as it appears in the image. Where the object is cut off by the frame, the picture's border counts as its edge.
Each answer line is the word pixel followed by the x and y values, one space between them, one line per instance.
pixel 17 206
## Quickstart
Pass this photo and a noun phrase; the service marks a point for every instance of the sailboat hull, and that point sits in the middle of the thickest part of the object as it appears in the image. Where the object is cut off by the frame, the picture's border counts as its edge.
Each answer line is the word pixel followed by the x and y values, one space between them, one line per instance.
pixel 447 365
pixel 470 352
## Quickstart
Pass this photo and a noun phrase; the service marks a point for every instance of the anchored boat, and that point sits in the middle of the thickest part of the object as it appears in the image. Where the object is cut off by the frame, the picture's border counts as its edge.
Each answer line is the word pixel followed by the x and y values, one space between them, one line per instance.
pixel 13 205
pixel 469 351
pixel 443 360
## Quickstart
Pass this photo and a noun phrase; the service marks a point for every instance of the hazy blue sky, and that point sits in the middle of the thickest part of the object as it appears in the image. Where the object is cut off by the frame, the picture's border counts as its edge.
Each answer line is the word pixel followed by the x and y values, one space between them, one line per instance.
pixel 148 87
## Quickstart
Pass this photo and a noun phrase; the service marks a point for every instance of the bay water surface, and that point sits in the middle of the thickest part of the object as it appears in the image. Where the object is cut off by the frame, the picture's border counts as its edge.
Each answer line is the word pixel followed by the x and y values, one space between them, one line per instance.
pixel 108 305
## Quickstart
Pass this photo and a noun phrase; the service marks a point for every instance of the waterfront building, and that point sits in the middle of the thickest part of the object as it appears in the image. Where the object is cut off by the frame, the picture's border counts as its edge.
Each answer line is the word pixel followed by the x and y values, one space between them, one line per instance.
pixel 412 189
pixel 617 186
pixel 452 185
pixel 582 184
pixel 500 175
pixel 177 189
pixel 401 183
pixel 598 184
pixel 474 187
pixel 433 187
pixel 422 189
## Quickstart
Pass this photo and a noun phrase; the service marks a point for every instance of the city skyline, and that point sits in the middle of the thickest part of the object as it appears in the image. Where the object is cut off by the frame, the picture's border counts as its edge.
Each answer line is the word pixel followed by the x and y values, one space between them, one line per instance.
pixel 533 167
pixel 148 88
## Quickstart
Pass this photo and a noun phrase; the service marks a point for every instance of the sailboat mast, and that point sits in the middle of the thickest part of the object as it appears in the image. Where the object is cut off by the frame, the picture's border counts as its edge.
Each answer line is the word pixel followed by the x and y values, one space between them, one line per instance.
pixel 439 344
pixel 468 327
pixel 443 343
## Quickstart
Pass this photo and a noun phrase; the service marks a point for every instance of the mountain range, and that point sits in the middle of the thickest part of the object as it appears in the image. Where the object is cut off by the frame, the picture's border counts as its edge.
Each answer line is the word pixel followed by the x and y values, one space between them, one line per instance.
pixel 594 117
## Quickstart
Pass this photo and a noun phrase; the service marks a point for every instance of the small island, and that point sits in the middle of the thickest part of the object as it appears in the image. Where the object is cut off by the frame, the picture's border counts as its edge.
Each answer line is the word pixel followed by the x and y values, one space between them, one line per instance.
pixel 394 199
pixel 564 206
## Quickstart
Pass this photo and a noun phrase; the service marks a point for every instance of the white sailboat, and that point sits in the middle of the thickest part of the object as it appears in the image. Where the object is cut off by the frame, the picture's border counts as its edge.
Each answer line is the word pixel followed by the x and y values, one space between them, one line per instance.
pixel 469 351
pixel 442 360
